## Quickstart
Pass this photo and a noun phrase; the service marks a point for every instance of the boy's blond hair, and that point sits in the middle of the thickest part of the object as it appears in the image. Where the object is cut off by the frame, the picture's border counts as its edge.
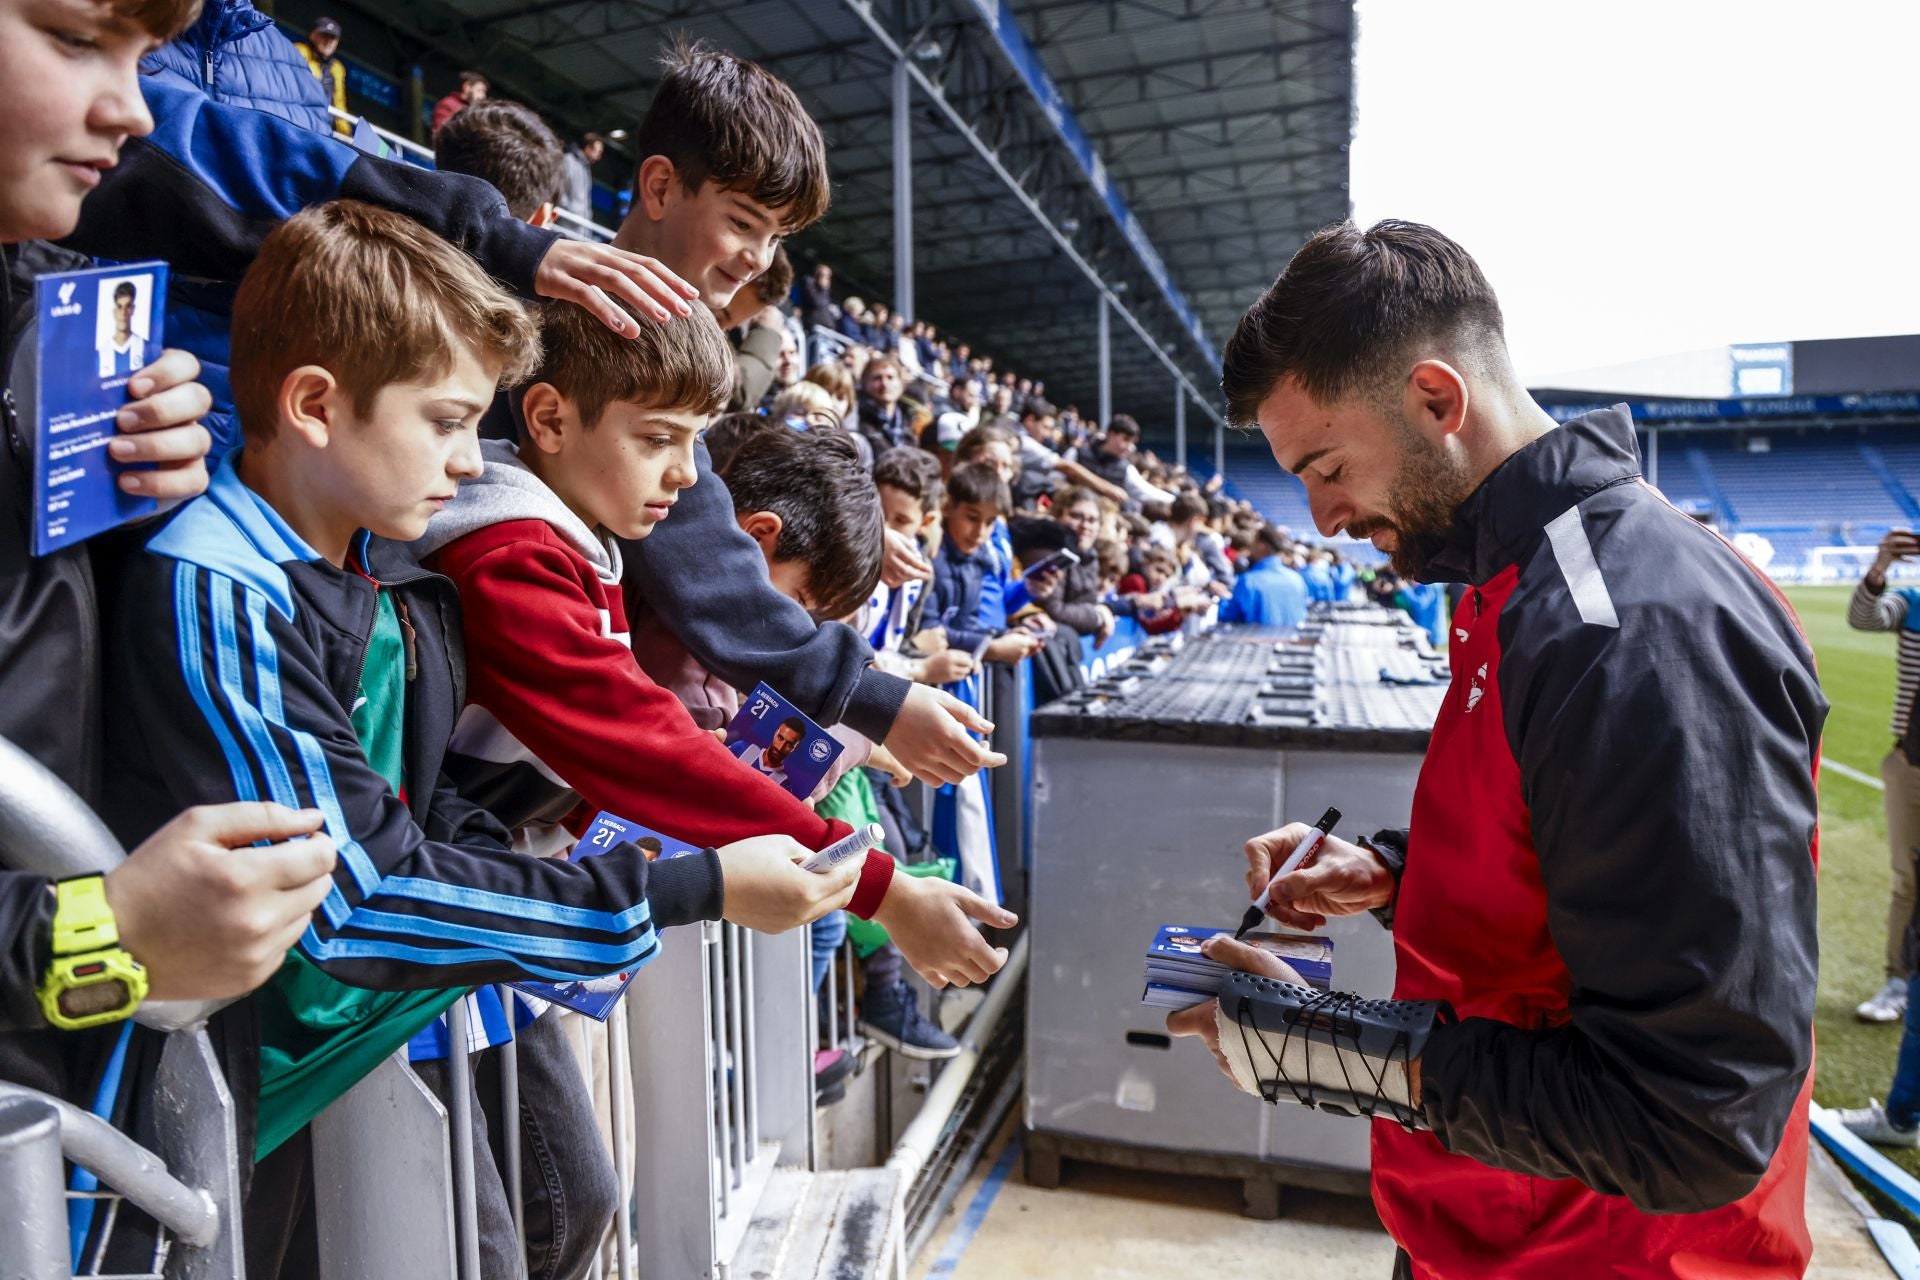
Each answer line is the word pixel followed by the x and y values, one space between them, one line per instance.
pixel 805 398
pixel 681 366
pixel 372 297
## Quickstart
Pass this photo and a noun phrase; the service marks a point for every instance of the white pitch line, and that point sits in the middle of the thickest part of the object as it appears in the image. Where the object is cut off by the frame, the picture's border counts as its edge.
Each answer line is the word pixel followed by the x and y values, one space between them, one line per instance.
pixel 1848 771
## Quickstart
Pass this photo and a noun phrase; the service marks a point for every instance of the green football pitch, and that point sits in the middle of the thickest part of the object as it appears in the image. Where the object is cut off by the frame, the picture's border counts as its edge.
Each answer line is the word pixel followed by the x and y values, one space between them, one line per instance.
pixel 1854 1061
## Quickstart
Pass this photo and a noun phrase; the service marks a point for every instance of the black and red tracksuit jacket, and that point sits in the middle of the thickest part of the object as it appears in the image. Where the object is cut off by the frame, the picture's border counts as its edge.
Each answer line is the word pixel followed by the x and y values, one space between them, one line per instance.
pixel 1610 875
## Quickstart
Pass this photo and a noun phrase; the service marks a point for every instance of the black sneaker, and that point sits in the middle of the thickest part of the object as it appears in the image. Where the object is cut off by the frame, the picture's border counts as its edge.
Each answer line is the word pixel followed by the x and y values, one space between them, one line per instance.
pixel 892 1016
pixel 831 1067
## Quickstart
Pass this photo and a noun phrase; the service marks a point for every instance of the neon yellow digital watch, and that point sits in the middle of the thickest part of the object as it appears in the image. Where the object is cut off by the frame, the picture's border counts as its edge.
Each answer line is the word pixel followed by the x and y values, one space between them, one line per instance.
pixel 90 979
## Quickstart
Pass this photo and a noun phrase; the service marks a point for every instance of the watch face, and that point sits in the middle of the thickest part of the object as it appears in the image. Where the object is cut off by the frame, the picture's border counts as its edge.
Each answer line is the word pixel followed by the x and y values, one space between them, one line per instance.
pixel 94 998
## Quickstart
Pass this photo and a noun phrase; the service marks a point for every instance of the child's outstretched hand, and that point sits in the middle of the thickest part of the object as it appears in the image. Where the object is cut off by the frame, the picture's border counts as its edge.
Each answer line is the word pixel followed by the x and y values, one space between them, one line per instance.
pixel 1013 647
pixel 765 889
pixel 932 922
pixel 598 275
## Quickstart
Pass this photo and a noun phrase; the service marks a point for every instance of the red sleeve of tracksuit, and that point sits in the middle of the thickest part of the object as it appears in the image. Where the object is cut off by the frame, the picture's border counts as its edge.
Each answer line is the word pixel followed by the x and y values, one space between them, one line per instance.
pixel 540 659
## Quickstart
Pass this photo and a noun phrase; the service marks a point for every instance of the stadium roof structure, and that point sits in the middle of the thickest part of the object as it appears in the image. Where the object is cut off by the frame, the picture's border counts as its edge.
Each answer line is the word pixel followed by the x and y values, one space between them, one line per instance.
pixel 1175 152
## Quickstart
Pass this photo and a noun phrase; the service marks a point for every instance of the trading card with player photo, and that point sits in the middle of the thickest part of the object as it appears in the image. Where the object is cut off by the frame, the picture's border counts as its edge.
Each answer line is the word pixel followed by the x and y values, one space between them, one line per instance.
pixel 596 997
pixel 772 736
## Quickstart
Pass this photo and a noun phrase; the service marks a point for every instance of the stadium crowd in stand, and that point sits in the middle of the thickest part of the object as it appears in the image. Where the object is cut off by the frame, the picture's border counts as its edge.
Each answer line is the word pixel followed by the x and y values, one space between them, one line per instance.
pixel 443 476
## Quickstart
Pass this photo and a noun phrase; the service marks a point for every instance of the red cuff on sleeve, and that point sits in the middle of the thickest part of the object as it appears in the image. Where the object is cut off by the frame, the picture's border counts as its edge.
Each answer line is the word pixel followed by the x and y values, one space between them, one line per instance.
pixel 875 875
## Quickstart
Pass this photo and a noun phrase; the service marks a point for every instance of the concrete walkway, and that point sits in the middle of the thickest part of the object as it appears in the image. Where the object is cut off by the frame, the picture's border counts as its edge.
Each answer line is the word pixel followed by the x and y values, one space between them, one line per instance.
pixel 1111 1224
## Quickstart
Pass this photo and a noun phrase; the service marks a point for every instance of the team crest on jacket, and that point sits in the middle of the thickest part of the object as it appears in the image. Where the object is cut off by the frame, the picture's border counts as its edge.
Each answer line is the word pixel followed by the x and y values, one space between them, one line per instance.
pixel 1474 691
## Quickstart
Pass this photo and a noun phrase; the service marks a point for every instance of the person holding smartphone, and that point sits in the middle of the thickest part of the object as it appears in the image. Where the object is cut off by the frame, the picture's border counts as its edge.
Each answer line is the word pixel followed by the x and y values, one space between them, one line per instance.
pixel 1876 608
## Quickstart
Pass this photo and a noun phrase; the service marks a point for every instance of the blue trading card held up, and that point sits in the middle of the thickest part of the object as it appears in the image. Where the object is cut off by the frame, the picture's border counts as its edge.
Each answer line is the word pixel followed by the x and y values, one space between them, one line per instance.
pixel 97 329
pixel 771 735
pixel 596 997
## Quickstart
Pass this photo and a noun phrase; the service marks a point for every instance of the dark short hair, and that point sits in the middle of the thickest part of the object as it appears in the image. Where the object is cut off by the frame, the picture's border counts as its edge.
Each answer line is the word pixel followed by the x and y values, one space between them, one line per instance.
pixel 682 365
pixel 912 471
pixel 1123 425
pixel 726 433
pixel 1035 536
pixel 794 722
pixel 125 289
pixel 978 482
pixel 506 144
pixel 1038 408
pixel 1346 312
pixel 588 138
pixel 1185 507
pixel 773 284
pixel 1271 538
pixel 474 77
pixel 829 509
pixel 718 116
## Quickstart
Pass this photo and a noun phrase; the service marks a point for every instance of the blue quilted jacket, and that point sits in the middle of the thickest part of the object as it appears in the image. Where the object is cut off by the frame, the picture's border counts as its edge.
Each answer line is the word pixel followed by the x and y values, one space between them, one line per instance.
pixel 236 56
pixel 242 141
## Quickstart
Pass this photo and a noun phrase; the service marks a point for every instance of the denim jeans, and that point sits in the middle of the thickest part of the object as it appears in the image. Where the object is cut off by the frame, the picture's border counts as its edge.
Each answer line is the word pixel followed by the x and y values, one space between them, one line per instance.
pixel 826 934
pixel 1903 1099
pixel 568 1187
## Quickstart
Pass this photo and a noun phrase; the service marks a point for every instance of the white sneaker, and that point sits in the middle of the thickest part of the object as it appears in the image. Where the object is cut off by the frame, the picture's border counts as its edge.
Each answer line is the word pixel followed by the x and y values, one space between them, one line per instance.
pixel 1871 1124
pixel 1889 1004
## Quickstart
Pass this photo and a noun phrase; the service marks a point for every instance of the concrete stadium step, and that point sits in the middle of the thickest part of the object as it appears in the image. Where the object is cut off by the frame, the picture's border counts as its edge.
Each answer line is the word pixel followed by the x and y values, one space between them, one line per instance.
pixel 834 1225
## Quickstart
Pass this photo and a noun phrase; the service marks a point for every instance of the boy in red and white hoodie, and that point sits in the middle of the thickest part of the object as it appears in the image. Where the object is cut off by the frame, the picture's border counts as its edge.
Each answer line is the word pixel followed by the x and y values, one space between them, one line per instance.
pixel 560 720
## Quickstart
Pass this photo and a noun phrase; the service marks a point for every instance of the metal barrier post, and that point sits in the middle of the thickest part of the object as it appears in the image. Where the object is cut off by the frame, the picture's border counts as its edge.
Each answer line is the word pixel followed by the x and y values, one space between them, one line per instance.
pixel 671 1031
pixel 383 1182
pixel 1179 423
pixel 510 1117
pixel 847 1010
pixel 717 1001
pixel 195 1135
pixel 620 1100
pixel 32 1178
pixel 781 1039
pixel 833 1000
pixel 734 1101
pixel 752 1118
pixel 460 1089
pixel 1008 783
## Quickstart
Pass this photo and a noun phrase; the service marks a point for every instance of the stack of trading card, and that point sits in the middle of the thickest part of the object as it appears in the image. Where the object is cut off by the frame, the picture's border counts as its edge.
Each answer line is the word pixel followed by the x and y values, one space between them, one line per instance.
pixel 1179 976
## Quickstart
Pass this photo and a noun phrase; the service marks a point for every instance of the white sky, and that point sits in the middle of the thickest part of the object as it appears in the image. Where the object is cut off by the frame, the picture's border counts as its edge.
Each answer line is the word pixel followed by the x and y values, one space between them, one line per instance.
pixel 1641 178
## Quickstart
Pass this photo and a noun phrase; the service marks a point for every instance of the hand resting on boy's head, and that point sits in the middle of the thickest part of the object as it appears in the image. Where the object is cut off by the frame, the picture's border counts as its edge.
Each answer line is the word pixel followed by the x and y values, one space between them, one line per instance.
pixel 596 275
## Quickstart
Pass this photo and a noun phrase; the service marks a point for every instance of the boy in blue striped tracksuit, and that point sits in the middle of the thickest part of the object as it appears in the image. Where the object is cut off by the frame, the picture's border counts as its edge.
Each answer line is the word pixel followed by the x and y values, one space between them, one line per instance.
pixel 275 644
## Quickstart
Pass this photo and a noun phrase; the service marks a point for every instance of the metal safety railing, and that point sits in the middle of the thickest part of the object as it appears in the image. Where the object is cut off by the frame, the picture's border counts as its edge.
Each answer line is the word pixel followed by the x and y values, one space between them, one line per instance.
pixel 829 345
pixel 188 1184
pixel 566 222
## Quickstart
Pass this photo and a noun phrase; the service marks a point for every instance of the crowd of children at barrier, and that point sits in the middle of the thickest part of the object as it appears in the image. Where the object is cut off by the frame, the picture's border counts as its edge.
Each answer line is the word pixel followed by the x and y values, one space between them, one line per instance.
pixel 436 477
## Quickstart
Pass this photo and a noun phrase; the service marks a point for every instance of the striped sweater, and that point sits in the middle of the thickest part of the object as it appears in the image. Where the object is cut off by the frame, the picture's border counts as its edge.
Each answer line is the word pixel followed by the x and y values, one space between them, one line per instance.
pixel 1891 609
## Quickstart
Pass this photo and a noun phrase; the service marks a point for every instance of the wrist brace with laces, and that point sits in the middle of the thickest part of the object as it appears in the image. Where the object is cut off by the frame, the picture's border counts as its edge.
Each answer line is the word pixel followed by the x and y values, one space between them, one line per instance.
pixel 1332 1051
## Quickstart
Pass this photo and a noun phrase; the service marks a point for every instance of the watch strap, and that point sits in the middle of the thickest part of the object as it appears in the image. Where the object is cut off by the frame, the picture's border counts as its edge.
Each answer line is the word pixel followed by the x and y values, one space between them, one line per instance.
pixel 82 920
